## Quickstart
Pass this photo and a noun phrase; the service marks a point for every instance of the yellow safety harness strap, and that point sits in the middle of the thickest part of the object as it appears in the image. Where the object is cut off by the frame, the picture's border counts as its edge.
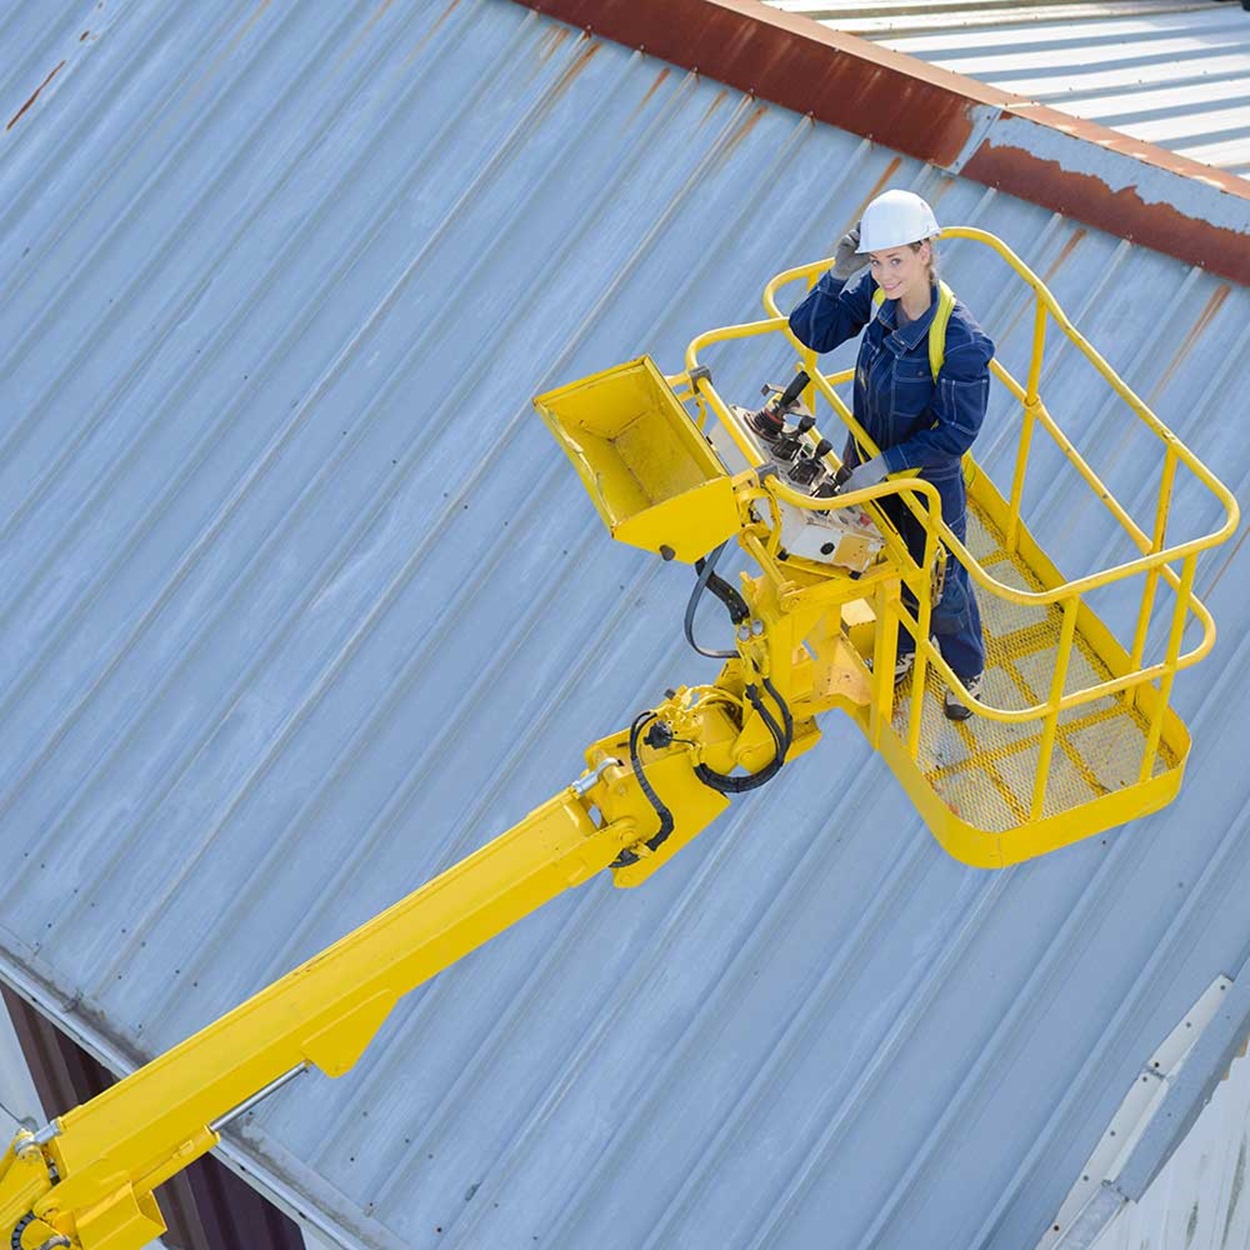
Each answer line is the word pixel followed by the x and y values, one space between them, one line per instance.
pixel 937 327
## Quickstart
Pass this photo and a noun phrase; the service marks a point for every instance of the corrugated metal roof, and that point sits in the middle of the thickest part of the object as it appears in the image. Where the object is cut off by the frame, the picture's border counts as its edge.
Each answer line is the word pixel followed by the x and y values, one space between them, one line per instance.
pixel 1173 74
pixel 300 604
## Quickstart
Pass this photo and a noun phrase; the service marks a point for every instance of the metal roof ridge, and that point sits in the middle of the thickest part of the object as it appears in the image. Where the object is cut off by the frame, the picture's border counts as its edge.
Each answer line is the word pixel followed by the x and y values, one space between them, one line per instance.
pixel 1087 171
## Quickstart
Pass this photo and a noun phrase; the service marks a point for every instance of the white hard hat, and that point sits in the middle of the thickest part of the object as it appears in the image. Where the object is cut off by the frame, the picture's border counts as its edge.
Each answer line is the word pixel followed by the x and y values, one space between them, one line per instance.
pixel 894 219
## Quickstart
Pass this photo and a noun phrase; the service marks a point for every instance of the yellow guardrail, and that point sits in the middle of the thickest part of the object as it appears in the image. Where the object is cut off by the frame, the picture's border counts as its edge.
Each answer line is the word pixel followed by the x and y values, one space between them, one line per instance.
pixel 1156 561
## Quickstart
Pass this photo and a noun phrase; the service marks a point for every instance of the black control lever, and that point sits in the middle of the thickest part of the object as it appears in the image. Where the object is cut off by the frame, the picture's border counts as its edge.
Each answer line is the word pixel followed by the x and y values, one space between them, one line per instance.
pixel 770 421
pixel 804 470
pixel 833 483
pixel 788 445
pixel 794 390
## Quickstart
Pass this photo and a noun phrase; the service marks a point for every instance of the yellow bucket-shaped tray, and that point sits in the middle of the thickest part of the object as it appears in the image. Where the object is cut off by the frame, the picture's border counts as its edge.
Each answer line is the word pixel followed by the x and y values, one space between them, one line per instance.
pixel 652 475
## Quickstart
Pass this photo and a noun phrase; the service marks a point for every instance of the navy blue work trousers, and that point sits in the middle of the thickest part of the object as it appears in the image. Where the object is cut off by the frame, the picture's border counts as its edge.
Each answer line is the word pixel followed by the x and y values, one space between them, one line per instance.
pixel 956 619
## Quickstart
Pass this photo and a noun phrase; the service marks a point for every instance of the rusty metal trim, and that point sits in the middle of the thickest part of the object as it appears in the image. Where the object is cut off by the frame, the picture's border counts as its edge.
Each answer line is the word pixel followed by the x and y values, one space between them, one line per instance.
pixel 1088 172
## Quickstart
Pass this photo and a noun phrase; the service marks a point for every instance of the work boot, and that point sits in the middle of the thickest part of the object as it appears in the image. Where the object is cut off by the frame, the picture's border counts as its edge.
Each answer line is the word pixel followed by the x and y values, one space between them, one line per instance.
pixel 904 662
pixel 952 706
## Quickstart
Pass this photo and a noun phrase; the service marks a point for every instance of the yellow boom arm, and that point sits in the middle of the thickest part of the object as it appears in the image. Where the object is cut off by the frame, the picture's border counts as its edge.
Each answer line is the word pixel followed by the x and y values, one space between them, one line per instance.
pixel 87 1179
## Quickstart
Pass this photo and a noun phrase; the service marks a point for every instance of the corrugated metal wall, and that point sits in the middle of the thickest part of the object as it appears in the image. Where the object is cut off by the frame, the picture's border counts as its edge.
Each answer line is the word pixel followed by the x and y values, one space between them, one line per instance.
pixel 298 604
pixel 1173 74
pixel 1198 1200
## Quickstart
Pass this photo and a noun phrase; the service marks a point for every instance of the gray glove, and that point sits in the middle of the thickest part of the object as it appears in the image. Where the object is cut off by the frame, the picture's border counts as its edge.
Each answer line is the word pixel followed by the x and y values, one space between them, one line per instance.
pixel 865 475
pixel 847 262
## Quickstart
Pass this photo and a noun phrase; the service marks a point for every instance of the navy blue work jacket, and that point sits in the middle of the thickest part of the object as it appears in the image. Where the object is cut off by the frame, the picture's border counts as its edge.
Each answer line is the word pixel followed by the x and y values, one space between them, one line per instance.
pixel 918 425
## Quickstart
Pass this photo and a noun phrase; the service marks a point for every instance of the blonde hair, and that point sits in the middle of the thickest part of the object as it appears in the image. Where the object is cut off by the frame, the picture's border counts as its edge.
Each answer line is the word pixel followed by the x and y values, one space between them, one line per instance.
pixel 933 256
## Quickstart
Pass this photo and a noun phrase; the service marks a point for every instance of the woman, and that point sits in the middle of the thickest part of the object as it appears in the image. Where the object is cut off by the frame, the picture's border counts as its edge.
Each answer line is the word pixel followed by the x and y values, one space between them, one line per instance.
pixel 921 424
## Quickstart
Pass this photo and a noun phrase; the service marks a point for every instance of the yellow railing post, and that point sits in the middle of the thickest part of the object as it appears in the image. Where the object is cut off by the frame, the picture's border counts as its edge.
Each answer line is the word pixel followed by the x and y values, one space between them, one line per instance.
pixel 884 653
pixel 1032 402
pixel 1179 615
pixel 1152 577
pixel 1039 351
pixel 809 358
pixel 1017 479
pixel 924 613
pixel 1050 729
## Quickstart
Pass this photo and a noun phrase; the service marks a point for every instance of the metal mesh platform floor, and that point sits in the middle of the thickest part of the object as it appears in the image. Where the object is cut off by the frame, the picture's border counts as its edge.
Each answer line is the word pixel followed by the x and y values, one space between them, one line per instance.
pixel 985 770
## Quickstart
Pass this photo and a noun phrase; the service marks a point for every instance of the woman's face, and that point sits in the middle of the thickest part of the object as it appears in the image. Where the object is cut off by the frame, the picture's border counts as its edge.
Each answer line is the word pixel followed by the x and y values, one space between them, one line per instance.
pixel 902 271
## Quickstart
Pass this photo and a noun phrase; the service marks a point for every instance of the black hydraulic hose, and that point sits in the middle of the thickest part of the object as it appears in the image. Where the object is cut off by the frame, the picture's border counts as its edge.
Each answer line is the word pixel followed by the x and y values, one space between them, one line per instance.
pixel 738 610
pixel 782 739
pixel 15 1239
pixel 733 601
pixel 748 781
pixel 786 718
pixel 782 735
pixel 625 858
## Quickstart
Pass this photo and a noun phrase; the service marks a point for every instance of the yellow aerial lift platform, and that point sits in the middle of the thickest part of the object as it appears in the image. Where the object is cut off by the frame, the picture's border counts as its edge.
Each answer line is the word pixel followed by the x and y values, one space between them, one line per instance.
pixel 1073 734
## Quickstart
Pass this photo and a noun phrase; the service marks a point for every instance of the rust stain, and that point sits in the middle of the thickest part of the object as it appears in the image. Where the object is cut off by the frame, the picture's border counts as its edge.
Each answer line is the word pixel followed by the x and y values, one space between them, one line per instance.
pixel 1213 305
pixel 429 34
pixel 34 96
pixel 199 85
pixel 363 33
pixel 660 80
pixel 1098 135
pixel 744 119
pixel 877 187
pixel 86 34
pixel 579 63
pixel 938 193
pixel 254 17
pixel 1087 198
pixel 743 130
pixel 1068 248
pixel 1026 307
pixel 880 185
pixel 552 41
pixel 717 100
